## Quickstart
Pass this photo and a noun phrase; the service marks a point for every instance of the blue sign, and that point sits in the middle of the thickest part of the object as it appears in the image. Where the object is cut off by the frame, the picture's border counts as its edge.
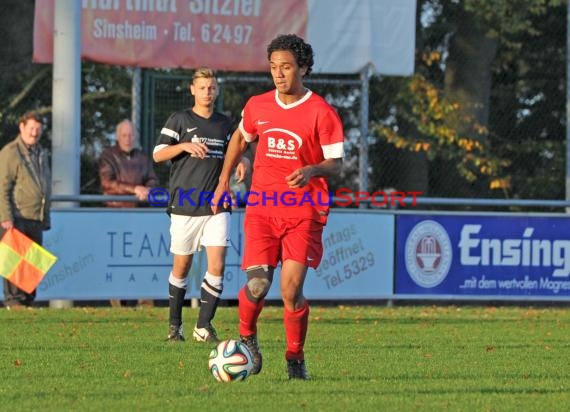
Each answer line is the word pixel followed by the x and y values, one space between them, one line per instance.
pixel 125 254
pixel 122 254
pixel 482 255
pixel 358 258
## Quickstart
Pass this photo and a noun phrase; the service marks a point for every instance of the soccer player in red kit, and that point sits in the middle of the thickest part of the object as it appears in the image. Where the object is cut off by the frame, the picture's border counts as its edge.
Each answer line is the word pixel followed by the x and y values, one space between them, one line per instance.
pixel 299 143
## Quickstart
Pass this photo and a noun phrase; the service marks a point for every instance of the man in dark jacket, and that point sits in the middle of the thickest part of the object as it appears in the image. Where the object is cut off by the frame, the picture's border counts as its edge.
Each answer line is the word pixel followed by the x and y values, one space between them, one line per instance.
pixel 25 191
pixel 125 170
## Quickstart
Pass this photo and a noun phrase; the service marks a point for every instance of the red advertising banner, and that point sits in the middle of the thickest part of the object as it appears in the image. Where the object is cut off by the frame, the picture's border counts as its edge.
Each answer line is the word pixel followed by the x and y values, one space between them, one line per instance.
pixel 227 35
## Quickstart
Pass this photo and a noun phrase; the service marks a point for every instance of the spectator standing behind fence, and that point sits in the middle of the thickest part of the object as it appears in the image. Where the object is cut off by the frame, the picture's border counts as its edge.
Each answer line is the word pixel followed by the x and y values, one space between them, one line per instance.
pixel 300 143
pixel 195 141
pixel 25 191
pixel 126 170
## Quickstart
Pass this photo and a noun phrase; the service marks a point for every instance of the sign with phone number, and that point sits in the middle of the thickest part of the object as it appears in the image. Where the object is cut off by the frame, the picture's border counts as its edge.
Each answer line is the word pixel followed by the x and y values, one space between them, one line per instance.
pixel 228 35
pixel 233 35
pixel 125 254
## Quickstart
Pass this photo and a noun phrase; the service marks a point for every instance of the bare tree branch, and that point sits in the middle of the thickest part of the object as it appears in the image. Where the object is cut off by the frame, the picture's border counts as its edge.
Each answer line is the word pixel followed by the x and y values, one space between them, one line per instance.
pixel 20 96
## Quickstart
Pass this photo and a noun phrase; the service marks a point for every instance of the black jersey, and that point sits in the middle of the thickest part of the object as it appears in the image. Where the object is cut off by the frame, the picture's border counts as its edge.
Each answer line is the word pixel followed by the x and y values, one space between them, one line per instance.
pixel 193 180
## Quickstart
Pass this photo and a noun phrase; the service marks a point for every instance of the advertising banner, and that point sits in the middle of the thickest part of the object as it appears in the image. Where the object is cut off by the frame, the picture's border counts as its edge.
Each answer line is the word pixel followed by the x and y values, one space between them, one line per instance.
pixel 175 33
pixel 487 256
pixel 124 254
pixel 233 35
pixel 358 259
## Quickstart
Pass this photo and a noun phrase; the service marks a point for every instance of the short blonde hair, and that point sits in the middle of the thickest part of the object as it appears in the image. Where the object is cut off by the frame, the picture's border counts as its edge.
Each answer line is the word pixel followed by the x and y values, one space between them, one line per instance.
pixel 203 73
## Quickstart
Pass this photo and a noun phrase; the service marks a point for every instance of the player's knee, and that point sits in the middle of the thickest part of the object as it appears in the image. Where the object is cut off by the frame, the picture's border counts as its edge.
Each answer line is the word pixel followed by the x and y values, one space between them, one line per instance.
pixel 217 268
pixel 291 295
pixel 258 287
pixel 259 281
pixel 288 298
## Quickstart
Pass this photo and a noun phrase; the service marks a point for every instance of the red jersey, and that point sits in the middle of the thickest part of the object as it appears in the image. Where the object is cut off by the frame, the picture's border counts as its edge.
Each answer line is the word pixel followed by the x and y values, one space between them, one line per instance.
pixel 289 137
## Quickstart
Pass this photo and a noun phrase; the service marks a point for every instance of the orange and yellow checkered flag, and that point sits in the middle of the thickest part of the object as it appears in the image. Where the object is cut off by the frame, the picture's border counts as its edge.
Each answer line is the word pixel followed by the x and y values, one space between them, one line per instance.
pixel 22 261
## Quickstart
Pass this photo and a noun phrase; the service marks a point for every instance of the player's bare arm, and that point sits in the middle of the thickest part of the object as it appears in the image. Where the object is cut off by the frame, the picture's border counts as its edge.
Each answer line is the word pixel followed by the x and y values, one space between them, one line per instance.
pixel 327 168
pixel 243 169
pixel 236 148
pixel 171 151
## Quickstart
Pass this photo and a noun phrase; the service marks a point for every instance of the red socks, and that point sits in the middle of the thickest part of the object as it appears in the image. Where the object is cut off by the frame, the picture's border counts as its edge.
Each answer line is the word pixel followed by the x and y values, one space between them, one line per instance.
pixel 296 323
pixel 248 313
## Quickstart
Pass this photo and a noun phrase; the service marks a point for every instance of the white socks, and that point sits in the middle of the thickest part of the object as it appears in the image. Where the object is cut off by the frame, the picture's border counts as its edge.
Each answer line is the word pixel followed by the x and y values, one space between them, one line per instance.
pixel 179 283
pixel 214 281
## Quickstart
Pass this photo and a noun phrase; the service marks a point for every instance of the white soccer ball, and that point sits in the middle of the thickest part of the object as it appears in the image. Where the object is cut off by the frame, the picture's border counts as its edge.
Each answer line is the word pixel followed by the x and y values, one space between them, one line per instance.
pixel 230 361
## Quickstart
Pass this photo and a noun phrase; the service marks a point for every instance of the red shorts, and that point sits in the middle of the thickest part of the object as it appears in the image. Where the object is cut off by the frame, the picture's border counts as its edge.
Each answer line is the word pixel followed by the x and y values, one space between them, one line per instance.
pixel 269 240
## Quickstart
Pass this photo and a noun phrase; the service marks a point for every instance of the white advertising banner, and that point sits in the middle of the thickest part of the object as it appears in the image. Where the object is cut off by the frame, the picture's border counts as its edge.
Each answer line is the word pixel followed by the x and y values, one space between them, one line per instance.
pixel 349 34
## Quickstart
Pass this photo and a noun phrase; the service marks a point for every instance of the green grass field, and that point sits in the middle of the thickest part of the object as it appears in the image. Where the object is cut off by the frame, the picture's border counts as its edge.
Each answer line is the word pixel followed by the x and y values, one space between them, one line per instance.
pixel 361 358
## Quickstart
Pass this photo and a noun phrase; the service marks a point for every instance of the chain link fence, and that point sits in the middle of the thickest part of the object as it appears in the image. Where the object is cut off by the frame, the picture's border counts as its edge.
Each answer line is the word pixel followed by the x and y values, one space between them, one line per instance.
pixel 165 94
pixel 534 167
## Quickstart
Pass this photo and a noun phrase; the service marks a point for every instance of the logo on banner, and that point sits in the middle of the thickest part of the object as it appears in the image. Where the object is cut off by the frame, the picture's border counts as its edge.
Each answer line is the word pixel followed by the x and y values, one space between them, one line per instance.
pixel 428 254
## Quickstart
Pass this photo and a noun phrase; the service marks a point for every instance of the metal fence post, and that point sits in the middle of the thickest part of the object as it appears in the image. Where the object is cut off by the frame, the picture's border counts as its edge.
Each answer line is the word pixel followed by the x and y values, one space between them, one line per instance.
pixel 66 134
pixel 568 104
pixel 365 75
pixel 136 102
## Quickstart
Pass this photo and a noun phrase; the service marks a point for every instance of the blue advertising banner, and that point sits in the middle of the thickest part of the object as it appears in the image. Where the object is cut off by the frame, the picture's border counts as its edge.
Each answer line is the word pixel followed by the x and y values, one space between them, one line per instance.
pixel 358 258
pixel 485 255
pixel 122 254
pixel 125 254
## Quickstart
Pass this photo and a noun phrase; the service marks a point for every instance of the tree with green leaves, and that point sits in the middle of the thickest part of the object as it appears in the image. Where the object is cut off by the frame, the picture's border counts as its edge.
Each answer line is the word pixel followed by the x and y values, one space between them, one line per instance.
pixel 464 114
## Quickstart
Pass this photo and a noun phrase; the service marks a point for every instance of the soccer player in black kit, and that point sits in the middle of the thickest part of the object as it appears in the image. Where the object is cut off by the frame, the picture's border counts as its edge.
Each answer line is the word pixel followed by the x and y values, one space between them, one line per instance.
pixel 195 141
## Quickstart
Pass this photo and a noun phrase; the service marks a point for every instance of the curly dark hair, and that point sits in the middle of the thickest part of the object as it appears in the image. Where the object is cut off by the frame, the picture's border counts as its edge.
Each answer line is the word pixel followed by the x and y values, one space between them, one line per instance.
pixel 303 52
